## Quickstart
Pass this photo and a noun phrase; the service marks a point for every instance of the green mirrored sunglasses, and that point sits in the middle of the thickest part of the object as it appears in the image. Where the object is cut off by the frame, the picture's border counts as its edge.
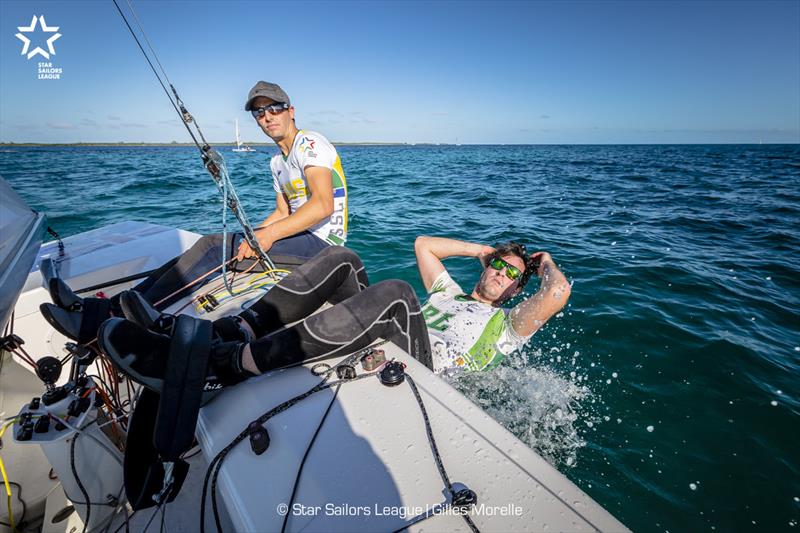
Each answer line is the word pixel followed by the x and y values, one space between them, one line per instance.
pixel 512 272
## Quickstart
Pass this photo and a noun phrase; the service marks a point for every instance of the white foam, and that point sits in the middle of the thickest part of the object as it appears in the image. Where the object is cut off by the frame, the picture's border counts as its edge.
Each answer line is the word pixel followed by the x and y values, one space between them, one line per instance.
pixel 650 429
pixel 537 405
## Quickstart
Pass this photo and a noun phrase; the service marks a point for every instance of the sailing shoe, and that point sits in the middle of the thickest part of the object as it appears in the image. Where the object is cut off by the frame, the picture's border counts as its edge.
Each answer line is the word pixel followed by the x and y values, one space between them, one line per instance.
pixel 79 324
pixel 144 354
pixel 62 295
pixel 138 310
pixel 60 292
pixel 138 352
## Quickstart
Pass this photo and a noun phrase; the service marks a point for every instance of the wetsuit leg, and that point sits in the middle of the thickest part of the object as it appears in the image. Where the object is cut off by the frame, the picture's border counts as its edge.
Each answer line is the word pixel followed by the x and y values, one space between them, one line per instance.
pixel 206 254
pixel 333 275
pixel 203 256
pixel 388 309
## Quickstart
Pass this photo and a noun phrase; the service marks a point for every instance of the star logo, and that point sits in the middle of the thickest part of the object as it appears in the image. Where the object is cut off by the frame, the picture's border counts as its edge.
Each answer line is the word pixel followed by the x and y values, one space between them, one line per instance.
pixel 27 42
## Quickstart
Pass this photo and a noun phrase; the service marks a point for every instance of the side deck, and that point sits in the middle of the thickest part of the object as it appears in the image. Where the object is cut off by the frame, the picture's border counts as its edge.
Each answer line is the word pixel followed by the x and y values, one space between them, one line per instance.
pixel 371 467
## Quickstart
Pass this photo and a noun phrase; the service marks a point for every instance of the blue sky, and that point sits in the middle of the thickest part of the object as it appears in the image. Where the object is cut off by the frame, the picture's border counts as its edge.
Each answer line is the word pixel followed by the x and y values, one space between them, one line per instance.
pixel 467 72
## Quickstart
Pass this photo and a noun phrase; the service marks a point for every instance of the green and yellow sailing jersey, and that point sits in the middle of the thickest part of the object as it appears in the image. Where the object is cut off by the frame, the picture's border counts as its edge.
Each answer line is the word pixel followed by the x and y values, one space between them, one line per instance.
pixel 312 149
pixel 466 334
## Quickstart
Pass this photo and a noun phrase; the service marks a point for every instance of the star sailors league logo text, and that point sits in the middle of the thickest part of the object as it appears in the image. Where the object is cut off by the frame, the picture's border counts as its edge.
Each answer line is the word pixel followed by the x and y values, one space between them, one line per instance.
pixel 31 39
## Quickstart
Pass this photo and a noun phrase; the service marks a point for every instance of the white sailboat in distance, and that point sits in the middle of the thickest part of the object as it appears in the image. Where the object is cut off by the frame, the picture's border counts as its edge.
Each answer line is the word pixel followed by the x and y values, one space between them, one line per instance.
pixel 240 147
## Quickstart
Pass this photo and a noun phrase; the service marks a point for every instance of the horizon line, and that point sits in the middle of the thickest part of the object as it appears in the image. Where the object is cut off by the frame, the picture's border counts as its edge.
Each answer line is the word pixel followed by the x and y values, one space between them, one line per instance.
pixel 385 143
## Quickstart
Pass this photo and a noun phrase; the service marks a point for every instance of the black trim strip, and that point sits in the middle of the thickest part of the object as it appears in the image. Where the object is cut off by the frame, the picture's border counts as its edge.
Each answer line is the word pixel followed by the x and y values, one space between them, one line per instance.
pixel 117 281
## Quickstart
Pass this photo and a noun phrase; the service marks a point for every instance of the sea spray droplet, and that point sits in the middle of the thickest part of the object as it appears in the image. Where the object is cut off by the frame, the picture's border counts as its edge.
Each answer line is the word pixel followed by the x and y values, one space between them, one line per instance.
pixel 650 429
pixel 692 486
pixel 773 403
pixel 614 374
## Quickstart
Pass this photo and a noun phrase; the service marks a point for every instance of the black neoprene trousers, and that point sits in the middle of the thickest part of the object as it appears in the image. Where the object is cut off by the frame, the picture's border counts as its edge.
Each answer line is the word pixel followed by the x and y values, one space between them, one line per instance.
pixel 206 255
pixel 360 315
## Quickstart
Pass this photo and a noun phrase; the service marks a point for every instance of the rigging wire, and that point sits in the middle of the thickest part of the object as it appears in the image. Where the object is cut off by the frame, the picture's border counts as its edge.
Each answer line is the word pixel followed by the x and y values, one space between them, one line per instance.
pixel 212 160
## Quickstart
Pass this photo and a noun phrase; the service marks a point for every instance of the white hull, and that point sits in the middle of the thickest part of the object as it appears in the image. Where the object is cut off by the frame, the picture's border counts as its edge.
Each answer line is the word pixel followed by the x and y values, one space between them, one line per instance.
pixel 371 454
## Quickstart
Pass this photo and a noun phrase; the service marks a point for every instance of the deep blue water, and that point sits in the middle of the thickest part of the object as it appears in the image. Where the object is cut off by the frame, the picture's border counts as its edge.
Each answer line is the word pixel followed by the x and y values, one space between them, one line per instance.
pixel 667 390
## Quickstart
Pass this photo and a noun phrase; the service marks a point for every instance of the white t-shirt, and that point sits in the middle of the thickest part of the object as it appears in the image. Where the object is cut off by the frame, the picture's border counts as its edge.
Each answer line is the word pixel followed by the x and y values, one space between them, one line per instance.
pixel 288 178
pixel 464 333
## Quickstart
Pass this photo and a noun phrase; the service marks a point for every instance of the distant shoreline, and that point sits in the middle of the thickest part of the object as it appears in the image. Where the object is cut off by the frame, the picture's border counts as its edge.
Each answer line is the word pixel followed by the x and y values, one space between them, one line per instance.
pixel 272 145
pixel 185 144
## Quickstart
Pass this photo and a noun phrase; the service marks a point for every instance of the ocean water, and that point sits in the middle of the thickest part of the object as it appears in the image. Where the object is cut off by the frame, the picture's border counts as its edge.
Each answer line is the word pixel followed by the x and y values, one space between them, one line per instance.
pixel 667 389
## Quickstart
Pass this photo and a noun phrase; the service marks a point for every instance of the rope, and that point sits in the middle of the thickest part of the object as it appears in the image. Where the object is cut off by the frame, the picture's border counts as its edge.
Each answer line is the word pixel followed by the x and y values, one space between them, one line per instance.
pixel 216 463
pixel 437 458
pixel 78 481
pixel 212 160
pixel 305 456
pixel 52 232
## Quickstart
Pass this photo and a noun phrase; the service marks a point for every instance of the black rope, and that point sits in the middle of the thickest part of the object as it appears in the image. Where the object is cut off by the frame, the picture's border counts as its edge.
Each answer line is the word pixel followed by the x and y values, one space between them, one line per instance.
pixel 216 463
pixel 109 392
pixel 158 508
pixel 52 232
pixel 78 481
pixel 126 523
pixel 437 458
pixel 163 516
pixel 305 456
pixel 19 497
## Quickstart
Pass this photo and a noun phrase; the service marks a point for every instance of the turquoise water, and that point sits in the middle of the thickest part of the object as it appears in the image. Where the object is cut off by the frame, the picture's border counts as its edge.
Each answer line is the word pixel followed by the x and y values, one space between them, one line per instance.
pixel 667 390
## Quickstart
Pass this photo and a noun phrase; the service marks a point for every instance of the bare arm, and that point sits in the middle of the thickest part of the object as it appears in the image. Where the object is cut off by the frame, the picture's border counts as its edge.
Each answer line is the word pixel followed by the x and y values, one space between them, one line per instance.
pixel 431 250
pixel 318 207
pixel 554 291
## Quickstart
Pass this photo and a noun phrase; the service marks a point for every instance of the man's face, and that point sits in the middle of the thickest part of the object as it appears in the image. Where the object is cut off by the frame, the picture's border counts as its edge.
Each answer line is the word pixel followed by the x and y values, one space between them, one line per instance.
pixel 276 126
pixel 495 285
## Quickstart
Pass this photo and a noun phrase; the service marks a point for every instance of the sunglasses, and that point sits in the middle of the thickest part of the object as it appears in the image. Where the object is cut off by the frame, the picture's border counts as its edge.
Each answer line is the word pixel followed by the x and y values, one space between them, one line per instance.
pixel 272 109
pixel 512 272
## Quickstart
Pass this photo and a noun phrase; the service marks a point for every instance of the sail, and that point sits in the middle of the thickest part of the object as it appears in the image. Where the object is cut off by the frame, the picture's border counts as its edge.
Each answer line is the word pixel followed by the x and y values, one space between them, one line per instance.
pixel 238 140
pixel 21 231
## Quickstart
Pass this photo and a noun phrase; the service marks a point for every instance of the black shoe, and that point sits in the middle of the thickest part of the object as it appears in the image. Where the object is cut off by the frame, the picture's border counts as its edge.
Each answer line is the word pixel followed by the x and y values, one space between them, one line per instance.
pixel 139 353
pixel 60 292
pixel 79 324
pixel 63 296
pixel 140 311
pixel 143 354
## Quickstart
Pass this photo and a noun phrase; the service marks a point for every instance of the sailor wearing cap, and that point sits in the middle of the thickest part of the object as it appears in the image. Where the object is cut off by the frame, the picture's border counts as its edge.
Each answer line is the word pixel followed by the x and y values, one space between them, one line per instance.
pixel 311 192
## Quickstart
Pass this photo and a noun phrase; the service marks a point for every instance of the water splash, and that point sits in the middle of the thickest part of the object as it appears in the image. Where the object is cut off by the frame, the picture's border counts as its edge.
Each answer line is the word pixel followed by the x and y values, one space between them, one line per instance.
pixel 540 407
